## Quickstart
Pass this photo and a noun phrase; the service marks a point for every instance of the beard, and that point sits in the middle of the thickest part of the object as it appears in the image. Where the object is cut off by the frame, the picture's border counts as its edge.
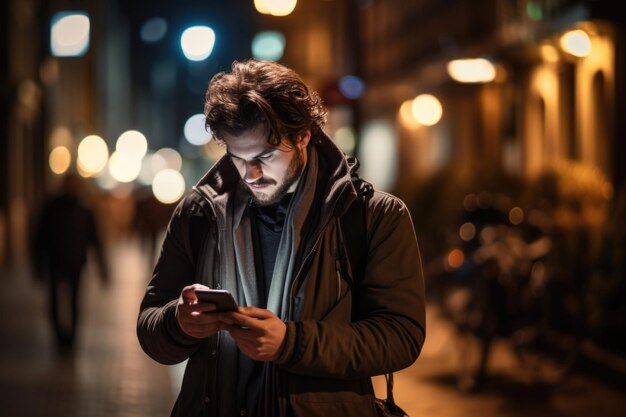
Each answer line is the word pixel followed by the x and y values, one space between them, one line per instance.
pixel 294 170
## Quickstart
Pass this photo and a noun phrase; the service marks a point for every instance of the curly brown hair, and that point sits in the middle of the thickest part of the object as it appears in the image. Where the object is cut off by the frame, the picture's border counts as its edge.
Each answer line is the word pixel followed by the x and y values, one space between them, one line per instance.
pixel 262 92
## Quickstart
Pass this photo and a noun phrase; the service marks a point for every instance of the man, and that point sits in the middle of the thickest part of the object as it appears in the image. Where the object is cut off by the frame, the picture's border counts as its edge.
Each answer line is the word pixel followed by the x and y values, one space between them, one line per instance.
pixel 65 233
pixel 265 223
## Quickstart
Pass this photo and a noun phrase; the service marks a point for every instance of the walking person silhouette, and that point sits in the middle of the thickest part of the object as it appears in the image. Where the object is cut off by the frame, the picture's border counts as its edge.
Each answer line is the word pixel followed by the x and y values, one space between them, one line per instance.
pixel 66 231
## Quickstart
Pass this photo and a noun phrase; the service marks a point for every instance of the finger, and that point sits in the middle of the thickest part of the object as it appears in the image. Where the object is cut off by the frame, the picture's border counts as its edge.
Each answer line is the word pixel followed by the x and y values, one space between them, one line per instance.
pixel 195 309
pixel 240 333
pixel 256 312
pixel 188 294
pixel 240 320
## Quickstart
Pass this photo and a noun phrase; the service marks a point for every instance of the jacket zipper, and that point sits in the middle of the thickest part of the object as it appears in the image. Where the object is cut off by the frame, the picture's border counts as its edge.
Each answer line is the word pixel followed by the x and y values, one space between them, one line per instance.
pixel 302 264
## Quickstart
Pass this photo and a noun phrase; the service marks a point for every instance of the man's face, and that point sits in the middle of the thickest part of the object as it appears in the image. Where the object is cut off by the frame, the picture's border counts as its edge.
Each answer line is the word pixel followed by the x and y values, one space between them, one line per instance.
pixel 269 171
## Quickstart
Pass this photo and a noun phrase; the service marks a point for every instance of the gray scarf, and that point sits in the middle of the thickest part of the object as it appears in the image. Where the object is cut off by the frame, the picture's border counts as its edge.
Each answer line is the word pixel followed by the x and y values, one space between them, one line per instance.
pixel 238 275
pixel 278 300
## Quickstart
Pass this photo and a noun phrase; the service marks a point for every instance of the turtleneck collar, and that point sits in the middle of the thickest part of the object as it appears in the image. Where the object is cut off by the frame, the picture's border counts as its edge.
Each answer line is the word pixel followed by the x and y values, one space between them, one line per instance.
pixel 273 215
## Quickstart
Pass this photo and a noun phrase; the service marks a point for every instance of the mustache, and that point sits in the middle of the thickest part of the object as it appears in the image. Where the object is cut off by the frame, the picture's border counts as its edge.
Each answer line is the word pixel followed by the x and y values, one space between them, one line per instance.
pixel 261 182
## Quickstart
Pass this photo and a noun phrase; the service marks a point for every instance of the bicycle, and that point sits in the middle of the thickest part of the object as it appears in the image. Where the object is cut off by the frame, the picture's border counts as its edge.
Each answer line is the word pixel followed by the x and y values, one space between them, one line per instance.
pixel 500 283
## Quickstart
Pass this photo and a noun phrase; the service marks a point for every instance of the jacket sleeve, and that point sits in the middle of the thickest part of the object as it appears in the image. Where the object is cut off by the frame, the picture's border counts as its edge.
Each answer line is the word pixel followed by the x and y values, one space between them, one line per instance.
pixel 388 330
pixel 158 332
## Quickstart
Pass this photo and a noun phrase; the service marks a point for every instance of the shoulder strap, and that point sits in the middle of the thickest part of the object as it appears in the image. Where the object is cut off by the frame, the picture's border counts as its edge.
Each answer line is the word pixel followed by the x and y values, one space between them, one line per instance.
pixel 354 223
pixel 354 228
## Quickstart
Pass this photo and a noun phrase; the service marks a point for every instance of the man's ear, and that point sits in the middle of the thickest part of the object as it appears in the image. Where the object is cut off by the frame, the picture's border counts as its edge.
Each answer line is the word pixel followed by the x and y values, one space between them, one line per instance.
pixel 303 138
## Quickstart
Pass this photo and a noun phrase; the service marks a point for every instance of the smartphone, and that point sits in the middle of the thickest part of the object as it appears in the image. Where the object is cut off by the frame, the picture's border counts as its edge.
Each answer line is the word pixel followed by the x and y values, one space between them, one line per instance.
pixel 222 299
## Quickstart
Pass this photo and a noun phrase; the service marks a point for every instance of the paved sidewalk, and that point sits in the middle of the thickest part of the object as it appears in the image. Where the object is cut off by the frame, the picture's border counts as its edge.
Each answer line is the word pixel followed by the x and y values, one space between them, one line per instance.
pixel 109 375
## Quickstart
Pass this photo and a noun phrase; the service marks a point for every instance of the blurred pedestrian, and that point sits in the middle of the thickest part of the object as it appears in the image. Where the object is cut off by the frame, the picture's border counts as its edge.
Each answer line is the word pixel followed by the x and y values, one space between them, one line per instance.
pixel 66 231
pixel 279 221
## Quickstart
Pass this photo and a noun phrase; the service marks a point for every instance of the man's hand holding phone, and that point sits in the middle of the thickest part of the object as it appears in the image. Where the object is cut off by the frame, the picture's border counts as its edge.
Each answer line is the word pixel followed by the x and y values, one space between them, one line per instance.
pixel 195 318
pixel 258 332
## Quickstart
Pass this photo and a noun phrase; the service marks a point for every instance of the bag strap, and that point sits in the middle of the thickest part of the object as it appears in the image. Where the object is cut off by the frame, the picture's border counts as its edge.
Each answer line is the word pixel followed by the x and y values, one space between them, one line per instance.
pixel 354 225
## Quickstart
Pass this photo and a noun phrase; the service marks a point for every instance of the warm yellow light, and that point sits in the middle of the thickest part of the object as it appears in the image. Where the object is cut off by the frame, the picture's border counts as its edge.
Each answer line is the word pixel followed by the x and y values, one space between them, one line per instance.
pixel 426 109
pixel 406 115
pixel 576 42
pixel 59 160
pixel 261 6
pixel 124 168
pixel 132 143
pixel 478 70
pixel 92 154
pixel 275 7
pixel 549 53
pixel 168 186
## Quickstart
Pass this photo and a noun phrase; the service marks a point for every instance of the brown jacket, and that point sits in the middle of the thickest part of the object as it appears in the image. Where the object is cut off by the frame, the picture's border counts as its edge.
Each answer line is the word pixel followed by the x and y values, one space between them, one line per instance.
pixel 342 330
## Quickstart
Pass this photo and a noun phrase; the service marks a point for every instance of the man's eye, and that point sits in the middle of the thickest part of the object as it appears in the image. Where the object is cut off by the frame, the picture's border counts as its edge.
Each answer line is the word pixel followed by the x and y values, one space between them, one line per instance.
pixel 266 156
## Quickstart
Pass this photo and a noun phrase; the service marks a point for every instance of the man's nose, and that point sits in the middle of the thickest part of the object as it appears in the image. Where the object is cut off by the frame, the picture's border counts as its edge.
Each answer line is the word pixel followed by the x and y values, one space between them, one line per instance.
pixel 253 172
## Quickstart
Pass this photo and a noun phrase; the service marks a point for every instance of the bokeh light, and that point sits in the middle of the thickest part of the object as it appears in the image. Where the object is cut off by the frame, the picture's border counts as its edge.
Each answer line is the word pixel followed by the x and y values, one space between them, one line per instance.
pixel 60 160
pixel 275 7
pixel 197 42
pixel 467 231
pixel 426 109
pixel 132 143
pixel 268 45
pixel 516 215
pixel 195 130
pixel 455 258
pixel 153 30
pixel 477 70
pixel 92 155
pixel 378 154
pixel 172 159
pixel 406 115
pixel 351 87
pixel 123 167
pixel 69 34
pixel 345 139
pixel 168 186
pixel 576 42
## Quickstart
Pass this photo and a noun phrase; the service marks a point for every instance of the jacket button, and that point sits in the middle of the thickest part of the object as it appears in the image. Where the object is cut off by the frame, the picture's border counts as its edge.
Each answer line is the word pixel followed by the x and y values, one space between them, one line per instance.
pixel 213 352
pixel 297 300
pixel 207 400
pixel 243 412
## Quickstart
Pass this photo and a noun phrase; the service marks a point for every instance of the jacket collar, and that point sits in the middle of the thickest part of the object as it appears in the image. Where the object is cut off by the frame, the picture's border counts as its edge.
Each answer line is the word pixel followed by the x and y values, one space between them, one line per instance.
pixel 334 183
